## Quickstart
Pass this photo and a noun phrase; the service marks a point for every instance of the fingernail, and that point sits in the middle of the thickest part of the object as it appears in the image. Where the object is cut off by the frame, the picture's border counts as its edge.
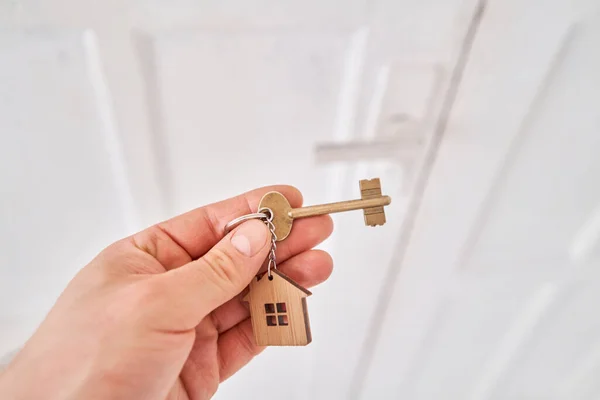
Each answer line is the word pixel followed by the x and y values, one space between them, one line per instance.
pixel 250 238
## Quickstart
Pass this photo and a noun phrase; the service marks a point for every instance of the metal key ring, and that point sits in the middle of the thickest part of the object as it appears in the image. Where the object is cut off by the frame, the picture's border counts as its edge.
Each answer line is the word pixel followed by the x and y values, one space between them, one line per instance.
pixel 258 215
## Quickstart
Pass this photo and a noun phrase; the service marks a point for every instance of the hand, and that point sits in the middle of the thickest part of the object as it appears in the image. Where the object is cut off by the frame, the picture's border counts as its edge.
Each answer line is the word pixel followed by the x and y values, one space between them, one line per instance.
pixel 158 315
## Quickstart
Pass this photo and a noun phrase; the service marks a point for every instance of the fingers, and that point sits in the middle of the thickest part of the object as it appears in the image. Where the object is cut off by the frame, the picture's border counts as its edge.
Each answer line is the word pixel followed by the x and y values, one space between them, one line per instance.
pixel 167 242
pixel 179 240
pixel 236 348
pixel 189 293
pixel 308 269
pixel 306 234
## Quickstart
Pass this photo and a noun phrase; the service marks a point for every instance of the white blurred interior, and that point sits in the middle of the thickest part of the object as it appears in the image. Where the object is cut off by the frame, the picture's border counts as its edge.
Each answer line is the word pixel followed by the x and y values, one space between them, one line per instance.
pixel 482 119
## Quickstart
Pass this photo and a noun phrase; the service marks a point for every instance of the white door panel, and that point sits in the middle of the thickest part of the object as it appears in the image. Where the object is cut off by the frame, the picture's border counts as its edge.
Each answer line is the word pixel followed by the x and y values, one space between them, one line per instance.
pixel 244 109
pixel 61 200
pixel 498 279
pixel 547 190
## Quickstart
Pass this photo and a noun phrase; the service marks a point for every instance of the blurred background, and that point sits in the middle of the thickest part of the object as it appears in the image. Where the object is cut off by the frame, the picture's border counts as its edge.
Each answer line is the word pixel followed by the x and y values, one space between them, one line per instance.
pixel 482 119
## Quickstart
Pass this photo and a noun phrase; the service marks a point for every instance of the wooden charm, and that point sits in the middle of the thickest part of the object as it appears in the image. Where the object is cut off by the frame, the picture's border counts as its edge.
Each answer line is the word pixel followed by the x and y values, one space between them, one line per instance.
pixel 278 311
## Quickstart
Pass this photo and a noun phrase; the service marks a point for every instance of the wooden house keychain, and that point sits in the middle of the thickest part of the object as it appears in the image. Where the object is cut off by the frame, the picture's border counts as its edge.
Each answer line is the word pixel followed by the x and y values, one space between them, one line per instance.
pixel 278 304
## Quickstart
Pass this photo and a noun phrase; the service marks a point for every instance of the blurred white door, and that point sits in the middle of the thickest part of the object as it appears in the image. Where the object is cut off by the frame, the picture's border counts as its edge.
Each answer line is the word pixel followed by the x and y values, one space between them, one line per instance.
pixel 116 114
pixel 496 292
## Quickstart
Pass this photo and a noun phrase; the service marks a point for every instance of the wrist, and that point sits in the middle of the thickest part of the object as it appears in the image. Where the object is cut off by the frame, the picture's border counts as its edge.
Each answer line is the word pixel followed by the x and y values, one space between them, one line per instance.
pixel 26 378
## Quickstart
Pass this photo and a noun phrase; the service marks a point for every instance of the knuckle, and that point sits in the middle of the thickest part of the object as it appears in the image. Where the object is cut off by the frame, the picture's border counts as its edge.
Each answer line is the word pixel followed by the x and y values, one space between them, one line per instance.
pixel 147 240
pixel 222 268
pixel 246 341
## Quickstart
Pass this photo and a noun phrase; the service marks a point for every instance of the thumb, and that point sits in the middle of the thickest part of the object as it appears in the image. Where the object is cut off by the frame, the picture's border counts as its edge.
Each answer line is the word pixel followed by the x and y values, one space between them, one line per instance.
pixel 197 288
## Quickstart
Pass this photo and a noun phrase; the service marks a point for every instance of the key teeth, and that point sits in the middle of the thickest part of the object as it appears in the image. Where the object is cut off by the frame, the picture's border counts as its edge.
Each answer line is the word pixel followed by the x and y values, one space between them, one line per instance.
pixel 370 187
pixel 375 218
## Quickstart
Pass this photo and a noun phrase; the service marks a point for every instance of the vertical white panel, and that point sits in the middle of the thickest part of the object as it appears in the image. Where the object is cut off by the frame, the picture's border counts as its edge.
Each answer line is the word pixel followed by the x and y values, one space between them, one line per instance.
pixel 243 109
pixel 514 48
pixel 548 190
pixel 60 202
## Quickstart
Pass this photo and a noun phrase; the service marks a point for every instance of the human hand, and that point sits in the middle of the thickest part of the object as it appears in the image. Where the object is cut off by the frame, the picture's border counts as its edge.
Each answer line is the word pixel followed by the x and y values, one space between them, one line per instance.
pixel 159 314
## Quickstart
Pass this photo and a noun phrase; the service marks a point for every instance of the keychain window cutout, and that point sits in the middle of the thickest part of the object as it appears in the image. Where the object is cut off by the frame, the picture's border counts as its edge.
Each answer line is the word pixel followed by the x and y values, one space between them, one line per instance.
pixel 282 318
pixel 270 308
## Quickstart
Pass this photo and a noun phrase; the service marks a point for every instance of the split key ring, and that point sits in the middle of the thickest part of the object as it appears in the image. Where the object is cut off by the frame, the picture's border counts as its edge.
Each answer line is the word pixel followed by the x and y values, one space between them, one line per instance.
pixel 264 214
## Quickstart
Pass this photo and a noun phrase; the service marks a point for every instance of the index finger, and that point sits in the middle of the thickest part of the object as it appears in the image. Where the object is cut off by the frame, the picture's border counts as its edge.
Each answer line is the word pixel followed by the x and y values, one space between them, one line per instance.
pixel 197 231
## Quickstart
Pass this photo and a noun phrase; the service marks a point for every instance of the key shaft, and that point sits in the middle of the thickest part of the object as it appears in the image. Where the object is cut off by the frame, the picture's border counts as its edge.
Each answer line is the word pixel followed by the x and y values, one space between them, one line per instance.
pixel 340 206
pixel 372 203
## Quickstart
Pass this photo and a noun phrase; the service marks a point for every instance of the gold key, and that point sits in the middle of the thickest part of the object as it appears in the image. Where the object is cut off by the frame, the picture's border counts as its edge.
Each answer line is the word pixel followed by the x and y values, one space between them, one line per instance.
pixel 371 202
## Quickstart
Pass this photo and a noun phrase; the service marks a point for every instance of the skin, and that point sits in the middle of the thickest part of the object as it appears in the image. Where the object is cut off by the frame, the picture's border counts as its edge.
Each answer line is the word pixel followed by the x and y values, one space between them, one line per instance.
pixel 158 315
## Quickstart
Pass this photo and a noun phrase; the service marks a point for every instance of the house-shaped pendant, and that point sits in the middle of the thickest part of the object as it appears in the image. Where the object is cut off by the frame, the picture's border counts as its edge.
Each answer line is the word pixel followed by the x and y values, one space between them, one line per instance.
pixel 278 311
